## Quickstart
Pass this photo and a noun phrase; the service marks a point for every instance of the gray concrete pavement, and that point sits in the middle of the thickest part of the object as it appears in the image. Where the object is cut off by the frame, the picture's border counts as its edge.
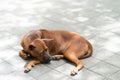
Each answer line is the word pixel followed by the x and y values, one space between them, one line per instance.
pixel 96 20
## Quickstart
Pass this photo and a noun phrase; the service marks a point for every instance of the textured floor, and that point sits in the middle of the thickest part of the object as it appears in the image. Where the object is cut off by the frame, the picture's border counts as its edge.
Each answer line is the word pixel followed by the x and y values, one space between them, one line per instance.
pixel 97 20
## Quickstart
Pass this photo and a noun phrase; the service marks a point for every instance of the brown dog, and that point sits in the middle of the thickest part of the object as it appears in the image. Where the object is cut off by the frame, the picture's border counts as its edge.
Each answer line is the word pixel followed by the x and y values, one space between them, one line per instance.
pixel 45 45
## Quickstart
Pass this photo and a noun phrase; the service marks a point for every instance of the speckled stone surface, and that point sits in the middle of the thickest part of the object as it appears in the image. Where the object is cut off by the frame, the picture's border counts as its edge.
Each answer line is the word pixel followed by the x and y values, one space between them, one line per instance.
pixel 97 20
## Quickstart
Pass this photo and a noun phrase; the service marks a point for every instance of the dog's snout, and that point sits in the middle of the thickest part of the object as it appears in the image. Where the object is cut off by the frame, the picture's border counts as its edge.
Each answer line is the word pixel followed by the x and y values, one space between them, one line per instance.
pixel 47 60
pixel 50 58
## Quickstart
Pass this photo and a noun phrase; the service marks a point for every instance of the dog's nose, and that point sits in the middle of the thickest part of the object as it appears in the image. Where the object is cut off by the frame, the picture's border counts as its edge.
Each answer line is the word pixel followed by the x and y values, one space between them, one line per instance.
pixel 47 60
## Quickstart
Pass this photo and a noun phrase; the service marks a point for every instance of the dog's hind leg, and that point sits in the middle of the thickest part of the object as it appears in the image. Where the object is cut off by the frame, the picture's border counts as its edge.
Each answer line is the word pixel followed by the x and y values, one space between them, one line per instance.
pixel 73 58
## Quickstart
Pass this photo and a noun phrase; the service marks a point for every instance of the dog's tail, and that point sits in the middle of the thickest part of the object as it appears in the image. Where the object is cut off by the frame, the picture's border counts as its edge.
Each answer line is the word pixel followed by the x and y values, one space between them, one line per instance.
pixel 89 51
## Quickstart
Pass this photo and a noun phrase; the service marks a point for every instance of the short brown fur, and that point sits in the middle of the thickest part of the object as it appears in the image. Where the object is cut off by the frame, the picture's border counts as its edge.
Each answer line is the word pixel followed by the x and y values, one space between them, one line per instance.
pixel 57 43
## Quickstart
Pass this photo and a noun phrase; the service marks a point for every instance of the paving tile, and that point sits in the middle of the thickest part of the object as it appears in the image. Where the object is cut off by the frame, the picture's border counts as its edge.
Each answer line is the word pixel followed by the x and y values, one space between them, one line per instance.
pixel 17 47
pixel 90 62
pixel 87 75
pixel 6 77
pixel 8 53
pixel 19 32
pixel 89 34
pixel 7 41
pixel 61 19
pixel 1 60
pixel 112 46
pixel 115 60
pixel 115 76
pixel 83 74
pixel 49 25
pixel 6 68
pixel 116 30
pixel 66 68
pixel 39 70
pixel 15 77
pixel 102 53
pixel 106 35
pixel 53 75
pixel 66 78
pixel 20 75
pixel 17 61
pixel 114 39
pixel 97 20
pixel 56 63
pixel 104 69
pixel 107 79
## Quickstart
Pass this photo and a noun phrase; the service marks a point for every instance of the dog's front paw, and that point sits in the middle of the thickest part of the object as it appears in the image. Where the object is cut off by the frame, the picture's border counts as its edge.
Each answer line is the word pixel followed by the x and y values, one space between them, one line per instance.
pixel 54 58
pixel 74 71
pixel 27 70
pixel 57 57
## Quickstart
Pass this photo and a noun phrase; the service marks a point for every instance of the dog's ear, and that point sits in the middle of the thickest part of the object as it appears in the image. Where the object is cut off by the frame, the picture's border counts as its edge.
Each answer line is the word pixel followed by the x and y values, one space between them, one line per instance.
pixel 31 47
pixel 47 39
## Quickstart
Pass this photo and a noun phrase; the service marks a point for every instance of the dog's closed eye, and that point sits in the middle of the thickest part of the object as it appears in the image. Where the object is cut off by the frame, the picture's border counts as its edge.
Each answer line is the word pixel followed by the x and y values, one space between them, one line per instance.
pixel 31 47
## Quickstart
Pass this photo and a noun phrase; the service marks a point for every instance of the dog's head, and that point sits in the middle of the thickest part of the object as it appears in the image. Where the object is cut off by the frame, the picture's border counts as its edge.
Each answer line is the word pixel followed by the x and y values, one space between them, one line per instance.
pixel 39 50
